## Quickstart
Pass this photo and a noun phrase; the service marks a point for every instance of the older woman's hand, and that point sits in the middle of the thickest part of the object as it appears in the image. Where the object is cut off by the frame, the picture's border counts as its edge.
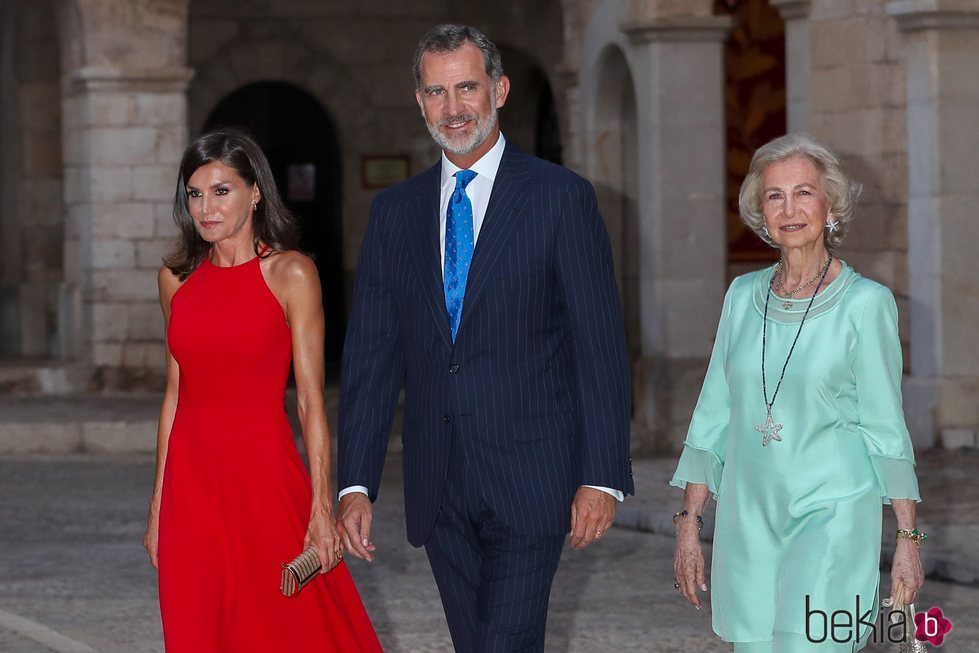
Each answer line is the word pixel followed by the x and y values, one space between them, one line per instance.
pixel 688 561
pixel 906 571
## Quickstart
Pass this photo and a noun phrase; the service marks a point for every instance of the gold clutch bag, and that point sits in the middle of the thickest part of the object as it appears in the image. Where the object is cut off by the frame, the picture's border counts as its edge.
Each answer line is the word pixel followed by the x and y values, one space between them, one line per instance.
pixel 297 573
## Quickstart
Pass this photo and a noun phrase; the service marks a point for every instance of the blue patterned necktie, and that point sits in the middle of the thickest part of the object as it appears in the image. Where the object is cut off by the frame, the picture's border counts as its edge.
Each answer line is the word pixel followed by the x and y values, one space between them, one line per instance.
pixel 459 244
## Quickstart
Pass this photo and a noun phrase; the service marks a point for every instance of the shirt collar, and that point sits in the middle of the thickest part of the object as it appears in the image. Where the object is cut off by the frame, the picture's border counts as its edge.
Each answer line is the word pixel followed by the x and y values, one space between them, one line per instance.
pixel 486 167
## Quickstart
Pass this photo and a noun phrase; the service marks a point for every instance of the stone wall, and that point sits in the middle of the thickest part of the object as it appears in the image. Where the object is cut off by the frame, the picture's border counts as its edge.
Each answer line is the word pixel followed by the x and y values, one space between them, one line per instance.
pixel 356 61
pixel 31 186
pixel 857 104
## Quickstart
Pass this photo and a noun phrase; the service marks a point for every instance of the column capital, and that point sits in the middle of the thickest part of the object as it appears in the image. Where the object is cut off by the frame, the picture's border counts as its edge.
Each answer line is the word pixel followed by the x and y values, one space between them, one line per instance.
pixel 916 15
pixel 173 79
pixel 791 9
pixel 679 28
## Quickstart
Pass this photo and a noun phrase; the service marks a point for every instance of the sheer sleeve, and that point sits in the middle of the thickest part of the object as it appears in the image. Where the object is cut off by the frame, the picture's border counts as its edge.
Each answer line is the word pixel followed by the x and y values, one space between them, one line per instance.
pixel 702 459
pixel 877 367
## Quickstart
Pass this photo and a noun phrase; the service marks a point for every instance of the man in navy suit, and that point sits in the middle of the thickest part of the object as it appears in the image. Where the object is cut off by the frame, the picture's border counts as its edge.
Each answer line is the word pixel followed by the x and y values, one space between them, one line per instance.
pixel 485 289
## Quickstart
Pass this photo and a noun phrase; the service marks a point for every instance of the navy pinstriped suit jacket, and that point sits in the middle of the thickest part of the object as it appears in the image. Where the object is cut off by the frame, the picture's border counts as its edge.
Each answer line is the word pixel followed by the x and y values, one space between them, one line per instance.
pixel 535 392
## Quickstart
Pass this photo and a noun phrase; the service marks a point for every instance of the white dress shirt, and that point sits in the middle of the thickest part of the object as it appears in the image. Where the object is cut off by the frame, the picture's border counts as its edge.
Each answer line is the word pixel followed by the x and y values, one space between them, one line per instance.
pixel 479 191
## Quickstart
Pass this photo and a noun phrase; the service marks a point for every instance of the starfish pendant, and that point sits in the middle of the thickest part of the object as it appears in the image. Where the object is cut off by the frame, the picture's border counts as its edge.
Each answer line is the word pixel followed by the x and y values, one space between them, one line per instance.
pixel 769 430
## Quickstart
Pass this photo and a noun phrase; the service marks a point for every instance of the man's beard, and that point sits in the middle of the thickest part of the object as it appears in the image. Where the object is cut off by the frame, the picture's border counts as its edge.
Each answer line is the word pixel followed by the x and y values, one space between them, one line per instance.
pixel 479 135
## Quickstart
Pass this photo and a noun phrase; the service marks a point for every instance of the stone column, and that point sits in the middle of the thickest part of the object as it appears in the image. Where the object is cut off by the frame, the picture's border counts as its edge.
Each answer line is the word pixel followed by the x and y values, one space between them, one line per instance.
pixel 679 83
pixel 124 133
pixel 795 13
pixel 942 38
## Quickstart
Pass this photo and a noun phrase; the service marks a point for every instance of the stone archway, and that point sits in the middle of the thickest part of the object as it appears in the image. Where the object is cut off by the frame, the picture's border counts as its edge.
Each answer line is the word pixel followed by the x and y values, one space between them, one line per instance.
pixel 615 157
pixel 530 118
pixel 300 141
pixel 356 122
pixel 672 55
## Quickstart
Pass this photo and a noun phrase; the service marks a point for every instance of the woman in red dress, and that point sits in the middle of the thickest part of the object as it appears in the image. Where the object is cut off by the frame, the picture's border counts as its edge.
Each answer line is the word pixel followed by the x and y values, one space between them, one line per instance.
pixel 232 498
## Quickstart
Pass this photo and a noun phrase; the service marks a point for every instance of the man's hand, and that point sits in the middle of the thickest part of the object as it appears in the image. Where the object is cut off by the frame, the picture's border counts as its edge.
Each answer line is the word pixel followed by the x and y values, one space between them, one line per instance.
pixel 354 522
pixel 592 514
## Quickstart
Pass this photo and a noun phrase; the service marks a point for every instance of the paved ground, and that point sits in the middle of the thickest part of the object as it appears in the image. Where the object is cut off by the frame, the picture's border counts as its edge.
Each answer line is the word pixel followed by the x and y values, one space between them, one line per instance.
pixel 71 562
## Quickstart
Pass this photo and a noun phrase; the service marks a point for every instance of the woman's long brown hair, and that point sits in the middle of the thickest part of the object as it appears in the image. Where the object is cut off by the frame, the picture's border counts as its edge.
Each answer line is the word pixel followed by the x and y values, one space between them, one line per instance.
pixel 272 222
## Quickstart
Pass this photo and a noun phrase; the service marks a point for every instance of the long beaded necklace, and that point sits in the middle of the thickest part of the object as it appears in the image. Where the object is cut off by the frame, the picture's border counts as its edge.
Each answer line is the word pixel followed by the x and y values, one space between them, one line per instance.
pixel 769 429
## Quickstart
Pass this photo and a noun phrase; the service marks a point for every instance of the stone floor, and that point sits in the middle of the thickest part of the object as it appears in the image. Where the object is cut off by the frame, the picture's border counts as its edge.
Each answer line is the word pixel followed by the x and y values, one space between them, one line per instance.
pixel 71 562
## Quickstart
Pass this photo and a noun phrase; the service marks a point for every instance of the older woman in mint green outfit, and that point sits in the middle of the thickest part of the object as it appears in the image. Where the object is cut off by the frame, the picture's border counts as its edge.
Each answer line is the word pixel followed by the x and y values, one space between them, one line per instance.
pixel 801 461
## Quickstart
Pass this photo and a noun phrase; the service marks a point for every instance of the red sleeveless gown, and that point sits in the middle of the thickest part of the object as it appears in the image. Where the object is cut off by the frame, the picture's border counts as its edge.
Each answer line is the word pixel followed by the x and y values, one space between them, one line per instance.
pixel 236 495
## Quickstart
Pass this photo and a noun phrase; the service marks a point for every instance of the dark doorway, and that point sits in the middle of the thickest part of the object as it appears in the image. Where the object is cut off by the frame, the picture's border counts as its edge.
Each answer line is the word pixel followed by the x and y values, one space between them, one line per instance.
pixel 530 118
pixel 300 141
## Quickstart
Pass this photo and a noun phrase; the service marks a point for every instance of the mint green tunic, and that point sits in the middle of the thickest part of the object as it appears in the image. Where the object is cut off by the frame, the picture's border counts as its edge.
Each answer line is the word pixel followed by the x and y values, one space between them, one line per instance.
pixel 802 515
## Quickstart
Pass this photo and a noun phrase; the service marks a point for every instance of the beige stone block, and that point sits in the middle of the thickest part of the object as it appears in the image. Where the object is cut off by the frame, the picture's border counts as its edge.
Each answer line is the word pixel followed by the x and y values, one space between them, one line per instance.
pixel 831 9
pixel 124 285
pixel 73 259
pixel 113 254
pixel 896 132
pixel 958 406
pixel 171 140
pixel 903 319
pixel 107 354
pixel 76 215
pixel 828 89
pixel 163 224
pixel 114 146
pixel 959 438
pixel 77 188
pixel 150 253
pixel 144 355
pixel 39 437
pixel 154 183
pixel 110 183
pixel 145 321
pixel 111 109
pixel 119 437
pixel 160 109
pixel 40 105
pixel 110 322
pixel 902 279
pixel 74 150
pixel 124 220
pixel 74 113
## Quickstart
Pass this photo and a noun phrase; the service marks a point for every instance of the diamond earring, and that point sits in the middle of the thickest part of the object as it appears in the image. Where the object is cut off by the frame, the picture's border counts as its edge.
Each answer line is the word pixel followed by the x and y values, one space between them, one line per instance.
pixel 832 225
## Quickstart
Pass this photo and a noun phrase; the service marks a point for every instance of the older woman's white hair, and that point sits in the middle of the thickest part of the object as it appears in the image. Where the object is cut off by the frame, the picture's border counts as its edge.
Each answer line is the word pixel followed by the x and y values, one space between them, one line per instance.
pixel 841 191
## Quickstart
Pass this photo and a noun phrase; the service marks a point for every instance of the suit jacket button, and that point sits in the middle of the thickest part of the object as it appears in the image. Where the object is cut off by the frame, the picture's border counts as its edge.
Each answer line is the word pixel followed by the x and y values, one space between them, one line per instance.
pixel 446 419
pixel 453 368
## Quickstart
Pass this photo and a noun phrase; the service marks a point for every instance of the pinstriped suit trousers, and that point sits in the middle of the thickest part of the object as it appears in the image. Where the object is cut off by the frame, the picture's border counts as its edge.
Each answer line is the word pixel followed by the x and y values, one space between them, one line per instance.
pixel 494 583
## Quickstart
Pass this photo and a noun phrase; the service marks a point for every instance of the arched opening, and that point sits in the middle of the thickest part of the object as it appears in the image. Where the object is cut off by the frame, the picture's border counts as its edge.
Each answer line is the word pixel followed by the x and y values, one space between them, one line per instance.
pixel 300 141
pixel 616 161
pixel 530 118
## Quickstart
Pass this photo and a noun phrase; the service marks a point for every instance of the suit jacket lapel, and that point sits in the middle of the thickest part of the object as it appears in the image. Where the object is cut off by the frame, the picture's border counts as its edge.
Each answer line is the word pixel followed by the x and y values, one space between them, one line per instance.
pixel 427 249
pixel 505 207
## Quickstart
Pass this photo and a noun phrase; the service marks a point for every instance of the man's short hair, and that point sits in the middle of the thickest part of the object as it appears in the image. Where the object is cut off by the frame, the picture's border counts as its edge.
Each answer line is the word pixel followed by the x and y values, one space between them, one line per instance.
pixel 449 38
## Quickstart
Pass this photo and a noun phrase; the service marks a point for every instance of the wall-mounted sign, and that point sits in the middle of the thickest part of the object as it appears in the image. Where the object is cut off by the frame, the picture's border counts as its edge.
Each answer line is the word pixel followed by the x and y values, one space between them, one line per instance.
pixel 383 171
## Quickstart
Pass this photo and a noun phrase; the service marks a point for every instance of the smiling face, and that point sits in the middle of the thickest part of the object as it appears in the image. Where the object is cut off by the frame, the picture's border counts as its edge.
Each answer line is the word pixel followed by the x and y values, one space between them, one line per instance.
pixel 220 202
pixel 458 101
pixel 794 203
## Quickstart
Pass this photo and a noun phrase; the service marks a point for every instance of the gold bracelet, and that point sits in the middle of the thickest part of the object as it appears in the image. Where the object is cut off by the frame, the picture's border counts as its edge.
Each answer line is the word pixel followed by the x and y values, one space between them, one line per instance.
pixel 912 534
pixel 685 513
